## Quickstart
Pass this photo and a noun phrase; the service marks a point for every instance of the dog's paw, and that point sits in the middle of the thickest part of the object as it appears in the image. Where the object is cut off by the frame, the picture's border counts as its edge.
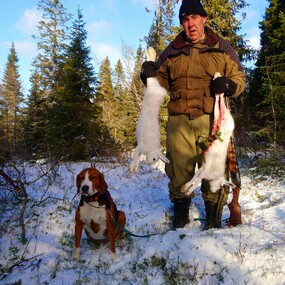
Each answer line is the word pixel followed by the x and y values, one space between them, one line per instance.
pixel 113 255
pixel 76 253
pixel 133 167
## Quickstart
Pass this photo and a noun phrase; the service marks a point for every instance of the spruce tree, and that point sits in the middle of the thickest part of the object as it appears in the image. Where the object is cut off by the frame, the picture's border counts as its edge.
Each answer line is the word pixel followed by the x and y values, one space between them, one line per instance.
pixel 45 77
pixel 106 96
pixel 10 108
pixel 51 44
pixel 74 115
pixel 33 141
pixel 123 105
pixel 108 143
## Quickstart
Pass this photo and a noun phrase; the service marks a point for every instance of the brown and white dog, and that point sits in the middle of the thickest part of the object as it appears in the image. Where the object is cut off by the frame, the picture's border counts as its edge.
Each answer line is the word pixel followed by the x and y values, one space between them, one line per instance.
pixel 96 211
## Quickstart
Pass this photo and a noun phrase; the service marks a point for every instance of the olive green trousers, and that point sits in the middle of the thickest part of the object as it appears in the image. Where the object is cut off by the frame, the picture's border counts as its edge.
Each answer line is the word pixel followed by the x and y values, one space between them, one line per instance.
pixel 183 136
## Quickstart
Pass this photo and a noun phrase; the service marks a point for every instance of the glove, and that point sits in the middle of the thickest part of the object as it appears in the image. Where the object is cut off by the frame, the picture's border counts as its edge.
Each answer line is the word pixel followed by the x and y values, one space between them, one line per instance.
pixel 149 69
pixel 223 85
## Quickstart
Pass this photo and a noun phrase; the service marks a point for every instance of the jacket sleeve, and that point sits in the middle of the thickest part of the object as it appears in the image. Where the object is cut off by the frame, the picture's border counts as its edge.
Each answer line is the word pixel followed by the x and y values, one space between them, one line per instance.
pixel 234 69
pixel 162 75
pixel 233 72
pixel 226 47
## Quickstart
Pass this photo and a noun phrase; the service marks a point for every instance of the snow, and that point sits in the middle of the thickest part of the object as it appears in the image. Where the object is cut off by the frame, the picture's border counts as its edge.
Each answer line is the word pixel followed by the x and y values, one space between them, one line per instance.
pixel 251 253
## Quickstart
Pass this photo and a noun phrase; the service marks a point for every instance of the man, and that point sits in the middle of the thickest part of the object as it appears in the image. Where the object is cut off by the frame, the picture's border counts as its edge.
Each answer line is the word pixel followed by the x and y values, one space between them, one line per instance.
pixel 186 68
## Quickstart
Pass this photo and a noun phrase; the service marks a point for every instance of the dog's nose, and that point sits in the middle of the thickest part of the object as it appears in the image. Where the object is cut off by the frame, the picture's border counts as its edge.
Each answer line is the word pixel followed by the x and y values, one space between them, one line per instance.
pixel 85 188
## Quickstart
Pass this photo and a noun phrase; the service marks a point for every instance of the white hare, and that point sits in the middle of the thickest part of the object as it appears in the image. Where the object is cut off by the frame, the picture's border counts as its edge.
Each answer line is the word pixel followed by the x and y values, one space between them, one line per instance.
pixel 214 164
pixel 147 130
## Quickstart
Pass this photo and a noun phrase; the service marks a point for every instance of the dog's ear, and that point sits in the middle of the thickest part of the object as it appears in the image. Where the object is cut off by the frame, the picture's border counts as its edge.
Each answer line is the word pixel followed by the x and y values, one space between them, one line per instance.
pixel 102 184
pixel 78 183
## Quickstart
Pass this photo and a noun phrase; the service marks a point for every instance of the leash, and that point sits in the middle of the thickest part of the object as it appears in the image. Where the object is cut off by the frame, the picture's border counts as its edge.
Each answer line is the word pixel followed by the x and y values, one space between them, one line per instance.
pixel 127 232
pixel 200 219
pixel 77 194
pixel 93 206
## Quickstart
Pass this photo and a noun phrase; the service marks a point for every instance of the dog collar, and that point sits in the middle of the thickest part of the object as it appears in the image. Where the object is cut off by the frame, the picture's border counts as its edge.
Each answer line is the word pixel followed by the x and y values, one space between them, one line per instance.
pixel 102 199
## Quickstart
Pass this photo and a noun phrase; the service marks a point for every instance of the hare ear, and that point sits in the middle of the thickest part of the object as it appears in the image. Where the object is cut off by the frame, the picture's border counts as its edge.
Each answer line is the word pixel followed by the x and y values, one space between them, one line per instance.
pixel 102 184
pixel 164 158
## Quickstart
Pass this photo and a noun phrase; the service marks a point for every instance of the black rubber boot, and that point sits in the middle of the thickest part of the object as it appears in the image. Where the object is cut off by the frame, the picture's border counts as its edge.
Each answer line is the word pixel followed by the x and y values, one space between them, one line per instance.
pixel 213 215
pixel 181 213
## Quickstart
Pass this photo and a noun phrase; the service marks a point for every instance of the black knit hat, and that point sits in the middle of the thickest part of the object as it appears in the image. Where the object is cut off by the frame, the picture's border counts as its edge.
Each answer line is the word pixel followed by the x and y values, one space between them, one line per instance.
pixel 189 7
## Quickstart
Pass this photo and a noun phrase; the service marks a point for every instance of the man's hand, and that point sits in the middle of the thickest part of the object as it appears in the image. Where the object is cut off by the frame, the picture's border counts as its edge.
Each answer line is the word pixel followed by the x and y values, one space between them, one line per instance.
pixel 149 69
pixel 223 85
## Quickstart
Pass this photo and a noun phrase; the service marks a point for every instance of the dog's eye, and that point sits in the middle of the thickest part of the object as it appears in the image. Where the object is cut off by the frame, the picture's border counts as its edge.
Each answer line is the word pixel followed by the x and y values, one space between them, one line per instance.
pixel 93 177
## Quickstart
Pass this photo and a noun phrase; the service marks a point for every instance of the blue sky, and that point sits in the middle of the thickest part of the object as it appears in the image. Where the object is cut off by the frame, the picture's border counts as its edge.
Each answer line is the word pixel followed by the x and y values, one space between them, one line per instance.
pixel 110 24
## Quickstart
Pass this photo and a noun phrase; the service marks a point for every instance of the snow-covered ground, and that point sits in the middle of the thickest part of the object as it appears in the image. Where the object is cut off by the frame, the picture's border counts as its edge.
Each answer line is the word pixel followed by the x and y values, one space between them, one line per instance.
pixel 252 253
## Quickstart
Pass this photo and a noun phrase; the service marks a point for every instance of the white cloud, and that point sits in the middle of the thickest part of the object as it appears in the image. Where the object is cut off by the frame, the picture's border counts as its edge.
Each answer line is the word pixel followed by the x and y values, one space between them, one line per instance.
pixel 28 22
pixel 254 42
pixel 101 26
pixel 253 36
pixel 102 50
pixel 25 48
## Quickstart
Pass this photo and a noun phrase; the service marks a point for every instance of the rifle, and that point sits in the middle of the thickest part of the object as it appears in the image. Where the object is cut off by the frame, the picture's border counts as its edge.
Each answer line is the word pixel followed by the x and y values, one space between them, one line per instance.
pixel 233 169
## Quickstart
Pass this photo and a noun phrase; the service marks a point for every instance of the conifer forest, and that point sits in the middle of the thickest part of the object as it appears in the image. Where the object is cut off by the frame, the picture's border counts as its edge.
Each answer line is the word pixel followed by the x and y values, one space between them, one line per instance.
pixel 74 113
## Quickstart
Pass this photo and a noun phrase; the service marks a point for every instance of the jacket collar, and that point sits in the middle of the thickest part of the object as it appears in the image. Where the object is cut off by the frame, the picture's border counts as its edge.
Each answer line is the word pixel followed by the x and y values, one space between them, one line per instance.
pixel 182 43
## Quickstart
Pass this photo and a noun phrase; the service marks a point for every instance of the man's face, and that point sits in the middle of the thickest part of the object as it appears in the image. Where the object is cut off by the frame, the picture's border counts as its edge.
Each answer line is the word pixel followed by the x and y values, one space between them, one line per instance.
pixel 193 26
